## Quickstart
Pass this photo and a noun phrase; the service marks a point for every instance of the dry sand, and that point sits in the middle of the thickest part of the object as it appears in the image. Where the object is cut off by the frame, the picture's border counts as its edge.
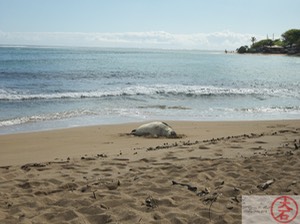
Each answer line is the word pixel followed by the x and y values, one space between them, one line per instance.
pixel 100 174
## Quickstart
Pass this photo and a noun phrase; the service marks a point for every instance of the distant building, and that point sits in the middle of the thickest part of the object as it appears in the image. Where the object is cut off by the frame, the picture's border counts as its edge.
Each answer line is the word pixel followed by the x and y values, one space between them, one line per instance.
pixel 275 49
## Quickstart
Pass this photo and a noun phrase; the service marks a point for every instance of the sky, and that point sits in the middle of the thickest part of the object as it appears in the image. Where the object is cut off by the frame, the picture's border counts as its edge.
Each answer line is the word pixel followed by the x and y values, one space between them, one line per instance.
pixel 168 24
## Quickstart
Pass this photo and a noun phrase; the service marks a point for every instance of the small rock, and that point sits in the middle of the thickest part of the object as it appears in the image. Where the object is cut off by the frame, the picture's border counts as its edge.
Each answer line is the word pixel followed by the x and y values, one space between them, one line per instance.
pixel 229 206
pixel 265 185
pixel 151 202
pixel 102 155
pixel 113 185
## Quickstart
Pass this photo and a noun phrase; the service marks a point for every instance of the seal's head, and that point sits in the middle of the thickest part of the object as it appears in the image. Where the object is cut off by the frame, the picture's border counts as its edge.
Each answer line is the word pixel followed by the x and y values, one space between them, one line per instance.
pixel 173 134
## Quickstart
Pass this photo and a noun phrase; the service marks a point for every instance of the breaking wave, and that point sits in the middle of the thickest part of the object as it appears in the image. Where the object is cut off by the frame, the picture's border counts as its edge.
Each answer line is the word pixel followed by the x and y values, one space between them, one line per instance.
pixel 286 109
pixel 153 90
pixel 45 117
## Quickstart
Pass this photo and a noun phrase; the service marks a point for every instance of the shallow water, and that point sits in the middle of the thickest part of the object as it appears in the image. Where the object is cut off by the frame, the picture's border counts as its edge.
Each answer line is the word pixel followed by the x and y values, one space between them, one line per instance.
pixel 46 88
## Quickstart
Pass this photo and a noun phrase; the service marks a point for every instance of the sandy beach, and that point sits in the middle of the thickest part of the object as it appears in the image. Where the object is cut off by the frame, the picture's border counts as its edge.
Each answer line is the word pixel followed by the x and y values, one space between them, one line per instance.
pixel 100 174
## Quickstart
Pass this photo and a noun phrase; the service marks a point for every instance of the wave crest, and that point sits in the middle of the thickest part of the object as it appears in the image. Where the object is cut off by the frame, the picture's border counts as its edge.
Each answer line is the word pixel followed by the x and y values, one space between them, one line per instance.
pixel 152 90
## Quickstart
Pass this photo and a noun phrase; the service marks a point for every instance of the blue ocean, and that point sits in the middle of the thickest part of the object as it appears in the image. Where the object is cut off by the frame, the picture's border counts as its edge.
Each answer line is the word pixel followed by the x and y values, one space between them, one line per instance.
pixel 44 88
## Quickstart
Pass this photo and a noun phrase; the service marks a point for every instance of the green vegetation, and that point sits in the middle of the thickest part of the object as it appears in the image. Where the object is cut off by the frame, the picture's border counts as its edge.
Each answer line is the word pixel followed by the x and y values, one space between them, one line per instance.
pixel 291 37
pixel 243 49
pixel 253 39
pixel 289 44
pixel 265 42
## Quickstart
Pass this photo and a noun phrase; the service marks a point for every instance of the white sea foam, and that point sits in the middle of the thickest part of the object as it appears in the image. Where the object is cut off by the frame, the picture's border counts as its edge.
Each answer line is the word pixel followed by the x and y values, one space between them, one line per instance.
pixel 46 117
pixel 270 110
pixel 144 113
pixel 184 90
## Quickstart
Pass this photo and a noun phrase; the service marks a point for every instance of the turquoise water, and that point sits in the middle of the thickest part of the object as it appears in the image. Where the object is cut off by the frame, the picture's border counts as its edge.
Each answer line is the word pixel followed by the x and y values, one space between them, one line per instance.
pixel 48 88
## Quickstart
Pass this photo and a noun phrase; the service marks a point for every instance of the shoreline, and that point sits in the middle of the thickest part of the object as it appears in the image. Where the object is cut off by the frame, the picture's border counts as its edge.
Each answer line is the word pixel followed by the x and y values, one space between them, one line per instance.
pixel 65 125
pixel 100 174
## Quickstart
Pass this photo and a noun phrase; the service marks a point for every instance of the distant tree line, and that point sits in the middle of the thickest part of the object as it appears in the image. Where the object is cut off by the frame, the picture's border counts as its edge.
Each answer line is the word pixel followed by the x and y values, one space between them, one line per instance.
pixel 288 44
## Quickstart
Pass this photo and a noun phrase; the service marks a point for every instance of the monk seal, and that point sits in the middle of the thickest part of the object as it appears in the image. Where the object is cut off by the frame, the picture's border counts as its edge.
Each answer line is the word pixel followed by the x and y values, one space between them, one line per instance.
pixel 155 129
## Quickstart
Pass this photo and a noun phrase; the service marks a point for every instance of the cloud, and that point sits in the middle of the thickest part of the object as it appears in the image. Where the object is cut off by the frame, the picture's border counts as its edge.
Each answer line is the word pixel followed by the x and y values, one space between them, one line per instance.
pixel 154 39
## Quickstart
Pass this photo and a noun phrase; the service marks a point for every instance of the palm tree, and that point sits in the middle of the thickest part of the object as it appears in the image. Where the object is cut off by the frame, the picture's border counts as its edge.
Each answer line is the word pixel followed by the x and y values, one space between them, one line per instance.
pixel 253 39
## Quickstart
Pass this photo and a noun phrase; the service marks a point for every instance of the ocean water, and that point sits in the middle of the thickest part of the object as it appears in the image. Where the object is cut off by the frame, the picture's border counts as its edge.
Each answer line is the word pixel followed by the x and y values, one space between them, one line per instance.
pixel 47 88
